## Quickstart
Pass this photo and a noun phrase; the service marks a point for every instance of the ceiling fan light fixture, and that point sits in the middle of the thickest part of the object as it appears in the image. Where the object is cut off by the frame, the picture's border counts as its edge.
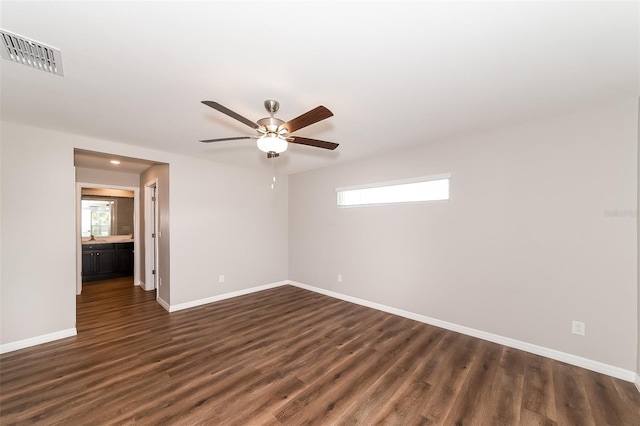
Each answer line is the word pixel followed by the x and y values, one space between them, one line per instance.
pixel 272 143
pixel 274 135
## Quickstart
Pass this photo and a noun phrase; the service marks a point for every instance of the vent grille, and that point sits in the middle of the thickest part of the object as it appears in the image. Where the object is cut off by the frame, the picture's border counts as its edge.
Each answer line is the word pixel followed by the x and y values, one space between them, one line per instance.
pixel 20 49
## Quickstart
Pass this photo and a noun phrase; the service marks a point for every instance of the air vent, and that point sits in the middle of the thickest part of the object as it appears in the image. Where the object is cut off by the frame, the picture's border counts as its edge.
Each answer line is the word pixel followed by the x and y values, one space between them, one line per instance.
pixel 20 49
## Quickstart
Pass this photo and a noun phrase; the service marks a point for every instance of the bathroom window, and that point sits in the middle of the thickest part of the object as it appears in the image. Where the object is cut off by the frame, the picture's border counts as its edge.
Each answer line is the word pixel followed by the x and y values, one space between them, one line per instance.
pixel 426 188
pixel 96 217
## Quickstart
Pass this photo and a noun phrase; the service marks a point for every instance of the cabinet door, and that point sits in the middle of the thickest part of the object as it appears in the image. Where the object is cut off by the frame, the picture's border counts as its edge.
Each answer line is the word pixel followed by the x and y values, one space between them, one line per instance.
pixel 124 259
pixel 105 261
pixel 87 263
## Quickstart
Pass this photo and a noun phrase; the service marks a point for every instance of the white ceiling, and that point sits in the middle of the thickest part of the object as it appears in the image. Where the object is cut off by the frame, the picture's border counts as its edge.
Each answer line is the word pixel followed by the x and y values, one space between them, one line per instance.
pixel 394 74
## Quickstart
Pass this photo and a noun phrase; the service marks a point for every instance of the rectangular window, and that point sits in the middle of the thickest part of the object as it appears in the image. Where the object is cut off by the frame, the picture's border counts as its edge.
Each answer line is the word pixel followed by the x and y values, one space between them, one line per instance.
pixel 426 188
pixel 96 217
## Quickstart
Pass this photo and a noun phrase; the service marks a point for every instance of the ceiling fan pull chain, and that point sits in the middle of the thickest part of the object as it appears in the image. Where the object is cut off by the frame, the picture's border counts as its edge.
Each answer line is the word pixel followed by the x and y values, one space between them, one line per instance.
pixel 273 171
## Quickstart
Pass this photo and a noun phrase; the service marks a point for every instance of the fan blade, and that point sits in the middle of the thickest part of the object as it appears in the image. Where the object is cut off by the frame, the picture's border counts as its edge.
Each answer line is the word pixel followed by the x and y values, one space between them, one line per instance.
pixel 307 119
pixel 227 139
pixel 312 142
pixel 230 113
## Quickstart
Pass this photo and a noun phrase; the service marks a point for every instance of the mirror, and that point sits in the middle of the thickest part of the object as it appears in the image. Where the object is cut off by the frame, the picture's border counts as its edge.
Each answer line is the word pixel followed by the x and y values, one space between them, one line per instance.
pixel 104 214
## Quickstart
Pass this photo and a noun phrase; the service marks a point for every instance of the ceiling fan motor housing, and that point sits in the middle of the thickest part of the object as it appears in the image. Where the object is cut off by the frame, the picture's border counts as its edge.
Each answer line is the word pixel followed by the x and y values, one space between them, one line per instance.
pixel 271 124
pixel 271 106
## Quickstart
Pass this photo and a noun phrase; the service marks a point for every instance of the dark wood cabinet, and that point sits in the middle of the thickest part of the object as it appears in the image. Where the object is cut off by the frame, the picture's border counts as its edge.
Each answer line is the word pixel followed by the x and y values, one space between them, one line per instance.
pixel 124 258
pixel 104 261
pixel 88 267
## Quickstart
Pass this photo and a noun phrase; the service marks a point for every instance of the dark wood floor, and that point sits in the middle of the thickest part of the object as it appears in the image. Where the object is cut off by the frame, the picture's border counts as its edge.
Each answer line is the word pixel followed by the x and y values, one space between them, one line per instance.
pixel 289 356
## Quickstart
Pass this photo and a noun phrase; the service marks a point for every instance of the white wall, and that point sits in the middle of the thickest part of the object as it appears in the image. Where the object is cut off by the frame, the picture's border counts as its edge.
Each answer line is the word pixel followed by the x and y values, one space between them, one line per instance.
pixel 237 227
pixel 523 247
pixel 106 177
pixel 214 214
pixel 38 282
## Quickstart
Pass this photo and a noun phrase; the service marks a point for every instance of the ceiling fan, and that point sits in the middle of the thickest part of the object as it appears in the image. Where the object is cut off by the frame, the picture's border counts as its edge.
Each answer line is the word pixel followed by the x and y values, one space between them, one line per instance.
pixel 274 135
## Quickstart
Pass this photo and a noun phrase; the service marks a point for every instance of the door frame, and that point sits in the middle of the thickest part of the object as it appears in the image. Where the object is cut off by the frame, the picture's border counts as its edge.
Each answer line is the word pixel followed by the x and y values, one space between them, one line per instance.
pixel 151 244
pixel 136 229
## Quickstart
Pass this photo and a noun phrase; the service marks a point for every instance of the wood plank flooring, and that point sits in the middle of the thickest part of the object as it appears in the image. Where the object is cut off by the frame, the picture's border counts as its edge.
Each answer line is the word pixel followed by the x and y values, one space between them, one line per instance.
pixel 289 356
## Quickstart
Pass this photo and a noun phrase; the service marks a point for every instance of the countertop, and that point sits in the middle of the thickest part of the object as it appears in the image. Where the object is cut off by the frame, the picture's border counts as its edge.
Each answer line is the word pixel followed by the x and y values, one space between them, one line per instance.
pixel 107 240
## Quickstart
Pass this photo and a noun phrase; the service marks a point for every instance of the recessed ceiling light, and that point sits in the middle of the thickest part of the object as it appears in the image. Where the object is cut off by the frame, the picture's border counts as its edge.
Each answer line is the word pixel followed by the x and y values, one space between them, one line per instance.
pixel 115 162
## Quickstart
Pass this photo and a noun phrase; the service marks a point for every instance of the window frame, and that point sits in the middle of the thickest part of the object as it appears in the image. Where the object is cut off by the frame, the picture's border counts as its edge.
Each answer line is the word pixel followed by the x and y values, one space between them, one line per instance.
pixel 419 179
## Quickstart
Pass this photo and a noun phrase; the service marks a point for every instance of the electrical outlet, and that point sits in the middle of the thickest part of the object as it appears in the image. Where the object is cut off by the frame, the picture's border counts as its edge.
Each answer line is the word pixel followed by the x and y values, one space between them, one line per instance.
pixel 339 278
pixel 577 327
pixel 221 279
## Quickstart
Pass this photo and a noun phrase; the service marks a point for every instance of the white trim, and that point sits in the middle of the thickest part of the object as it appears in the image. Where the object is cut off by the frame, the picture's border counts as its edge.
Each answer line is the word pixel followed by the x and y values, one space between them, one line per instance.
pixel 199 302
pixel 396 182
pixel 164 304
pixel 637 382
pixel 78 210
pixel 578 361
pixel 38 340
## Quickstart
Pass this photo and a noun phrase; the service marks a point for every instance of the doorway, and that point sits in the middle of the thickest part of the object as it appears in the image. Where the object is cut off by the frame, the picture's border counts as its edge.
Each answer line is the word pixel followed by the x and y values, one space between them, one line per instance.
pixel 151 235
pixel 117 171
pixel 135 233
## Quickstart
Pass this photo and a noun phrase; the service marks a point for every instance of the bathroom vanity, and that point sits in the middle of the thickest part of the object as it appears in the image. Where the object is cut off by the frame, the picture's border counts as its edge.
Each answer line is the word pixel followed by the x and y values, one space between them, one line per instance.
pixel 105 260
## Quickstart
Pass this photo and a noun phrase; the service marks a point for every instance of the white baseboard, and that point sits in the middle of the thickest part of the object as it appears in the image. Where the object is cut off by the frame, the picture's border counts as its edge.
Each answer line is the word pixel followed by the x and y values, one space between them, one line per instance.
pixel 164 304
pixel 144 286
pixel 199 302
pixel 637 382
pixel 578 361
pixel 38 340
